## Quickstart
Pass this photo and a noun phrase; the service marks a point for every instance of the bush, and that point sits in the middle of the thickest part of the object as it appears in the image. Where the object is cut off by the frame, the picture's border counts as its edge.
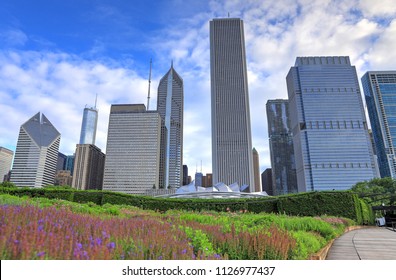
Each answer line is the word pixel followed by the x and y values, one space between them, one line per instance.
pixel 88 196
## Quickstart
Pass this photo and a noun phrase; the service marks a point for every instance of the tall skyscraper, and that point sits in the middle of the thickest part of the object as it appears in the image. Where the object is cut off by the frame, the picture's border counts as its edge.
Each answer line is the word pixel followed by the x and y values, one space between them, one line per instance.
pixel 266 180
pixel 88 126
pixel 231 134
pixel 88 167
pixel 69 164
pixel 281 147
pixel 134 162
pixel 256 171
pixel 36 153
pixel 60 165
pixel 331 142
pixel 170 106
pixel 380 92
pixel 185 175
pixel 6 156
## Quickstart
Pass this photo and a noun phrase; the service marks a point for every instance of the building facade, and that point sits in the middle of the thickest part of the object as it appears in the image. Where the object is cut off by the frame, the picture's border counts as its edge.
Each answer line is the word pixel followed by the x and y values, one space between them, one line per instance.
pixel 89 126
pixel 36 153
pixel 330 135
pixel 280 138
pixel 380 93
pixel 256 171
pixel 170 106
pixel 133 155
pixel 6 157
pixel 266 180
pixel 63 178
pixel 231 133
pixel 88 167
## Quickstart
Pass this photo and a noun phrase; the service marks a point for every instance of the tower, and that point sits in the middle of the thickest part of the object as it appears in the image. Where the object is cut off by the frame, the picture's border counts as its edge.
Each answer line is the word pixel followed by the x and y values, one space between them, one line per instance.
pixel 256 171
pixel 134 162
pixel 280 138
pixel 6 156
pixel 36 153
pixel 170 106
pixel 331 142
pixel 89 125
pixel 231 133
pixel 380 93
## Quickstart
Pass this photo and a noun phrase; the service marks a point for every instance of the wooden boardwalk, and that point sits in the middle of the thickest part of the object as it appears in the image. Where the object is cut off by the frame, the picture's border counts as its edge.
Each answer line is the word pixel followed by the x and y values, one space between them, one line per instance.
pixel 371 243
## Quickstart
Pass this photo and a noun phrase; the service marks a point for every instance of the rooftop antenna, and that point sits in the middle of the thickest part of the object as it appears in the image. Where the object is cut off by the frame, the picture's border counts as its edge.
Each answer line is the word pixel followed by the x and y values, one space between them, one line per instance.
pixel 201 165
pixel 96 100
pixel 149 85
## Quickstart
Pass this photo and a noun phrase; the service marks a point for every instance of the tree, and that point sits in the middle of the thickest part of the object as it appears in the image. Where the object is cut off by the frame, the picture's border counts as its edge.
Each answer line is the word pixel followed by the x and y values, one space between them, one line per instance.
pixel 377 191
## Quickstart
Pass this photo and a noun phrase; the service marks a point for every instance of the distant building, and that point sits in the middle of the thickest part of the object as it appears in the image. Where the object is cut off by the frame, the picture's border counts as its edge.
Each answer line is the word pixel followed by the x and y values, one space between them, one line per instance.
pixel 281 147
pixel 330 135
pixel 6 157
pixel 69 164
pixel 63 178
pixel 36 153
pixel 231 132
pixel 133 155
pixel 256 171
pixel 88 126
pixel 207 180
pixel 170 106
pixel 88 167
pixel 198 179
pixel 380 93
pixel 185 175
pixel 60 165
pixel 266 179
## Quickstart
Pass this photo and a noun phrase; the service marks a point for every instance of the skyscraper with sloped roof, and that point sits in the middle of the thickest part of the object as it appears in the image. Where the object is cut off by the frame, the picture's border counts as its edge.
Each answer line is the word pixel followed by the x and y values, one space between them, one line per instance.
pixel 36 153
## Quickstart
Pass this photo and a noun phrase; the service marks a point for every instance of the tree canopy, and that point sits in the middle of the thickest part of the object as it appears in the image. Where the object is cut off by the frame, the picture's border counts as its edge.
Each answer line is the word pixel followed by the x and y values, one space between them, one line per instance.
pixel 377 191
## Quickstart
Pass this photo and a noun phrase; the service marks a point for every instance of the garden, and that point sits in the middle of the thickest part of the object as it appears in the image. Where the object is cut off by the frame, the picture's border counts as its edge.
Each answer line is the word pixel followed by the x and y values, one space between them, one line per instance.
pixel 56 229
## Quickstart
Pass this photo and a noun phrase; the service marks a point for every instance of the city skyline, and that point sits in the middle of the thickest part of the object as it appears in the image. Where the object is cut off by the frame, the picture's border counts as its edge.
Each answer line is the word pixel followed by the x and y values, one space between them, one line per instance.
pixel 82 51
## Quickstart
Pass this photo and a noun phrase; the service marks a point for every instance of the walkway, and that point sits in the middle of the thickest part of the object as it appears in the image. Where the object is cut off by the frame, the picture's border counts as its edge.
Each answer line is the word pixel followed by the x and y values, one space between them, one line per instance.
pixel 371 243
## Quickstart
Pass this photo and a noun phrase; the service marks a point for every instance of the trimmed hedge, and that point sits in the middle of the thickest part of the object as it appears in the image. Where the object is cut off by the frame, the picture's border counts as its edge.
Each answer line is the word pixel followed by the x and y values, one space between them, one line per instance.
pixel 335 203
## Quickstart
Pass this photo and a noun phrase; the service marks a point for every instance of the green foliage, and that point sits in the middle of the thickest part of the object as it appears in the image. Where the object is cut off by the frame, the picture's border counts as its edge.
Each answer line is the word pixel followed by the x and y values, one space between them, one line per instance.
pixel 308 243
pixel 88 196
pixel 377 191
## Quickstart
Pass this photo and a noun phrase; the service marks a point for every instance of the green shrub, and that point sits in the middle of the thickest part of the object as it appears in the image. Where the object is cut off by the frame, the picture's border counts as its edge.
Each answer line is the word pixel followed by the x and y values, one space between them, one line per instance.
pixel 88 196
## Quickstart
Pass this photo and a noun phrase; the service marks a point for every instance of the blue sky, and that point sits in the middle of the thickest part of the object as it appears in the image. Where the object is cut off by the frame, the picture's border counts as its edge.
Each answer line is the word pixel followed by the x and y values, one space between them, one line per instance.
pixel 55 56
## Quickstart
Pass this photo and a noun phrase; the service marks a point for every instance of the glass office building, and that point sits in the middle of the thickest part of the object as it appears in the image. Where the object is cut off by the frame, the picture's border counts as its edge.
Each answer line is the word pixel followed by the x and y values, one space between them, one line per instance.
pixel 88 126
pixel 380 93
pixel 170 106
pixel 331 142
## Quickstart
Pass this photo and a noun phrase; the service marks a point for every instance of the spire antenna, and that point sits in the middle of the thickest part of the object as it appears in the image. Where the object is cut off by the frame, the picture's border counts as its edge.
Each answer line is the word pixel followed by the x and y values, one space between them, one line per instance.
pixel 96 99
pixel 149 86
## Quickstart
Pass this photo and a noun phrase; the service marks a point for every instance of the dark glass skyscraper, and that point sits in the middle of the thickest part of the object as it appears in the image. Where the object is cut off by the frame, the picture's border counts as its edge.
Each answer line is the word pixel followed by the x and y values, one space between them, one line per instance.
pixel 330 136
pixel 170 106
pixel 281 147
pixel 380 93
pixel 231 133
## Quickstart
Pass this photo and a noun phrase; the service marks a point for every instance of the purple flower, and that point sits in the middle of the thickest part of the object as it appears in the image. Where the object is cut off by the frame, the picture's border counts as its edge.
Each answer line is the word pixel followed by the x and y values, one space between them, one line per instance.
pixel 16 241
pixel 40 254
pixel 111 245
pixel 40 228
pixel 98 241
pixel 184 251
pixel 79 246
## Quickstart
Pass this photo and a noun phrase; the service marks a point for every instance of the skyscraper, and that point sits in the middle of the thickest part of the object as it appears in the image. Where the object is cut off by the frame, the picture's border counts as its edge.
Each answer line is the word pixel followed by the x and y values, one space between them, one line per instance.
pixel 331 143
pixel 231 134
pixel 380 92
pixel 134 162
pixel 6 156
pixel 281 147
pixel 88 167
pixel 170 106
pixel 256 171
pixel 88 126
pixel 36 153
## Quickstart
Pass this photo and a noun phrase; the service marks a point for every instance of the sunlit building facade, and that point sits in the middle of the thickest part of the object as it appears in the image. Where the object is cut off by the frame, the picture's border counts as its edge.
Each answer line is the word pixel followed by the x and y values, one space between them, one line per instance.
pixel 6 157
pixel 88 126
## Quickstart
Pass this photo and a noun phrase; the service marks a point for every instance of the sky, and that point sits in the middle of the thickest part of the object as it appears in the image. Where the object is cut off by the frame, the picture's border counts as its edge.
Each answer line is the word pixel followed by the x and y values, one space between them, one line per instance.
pixel 55 56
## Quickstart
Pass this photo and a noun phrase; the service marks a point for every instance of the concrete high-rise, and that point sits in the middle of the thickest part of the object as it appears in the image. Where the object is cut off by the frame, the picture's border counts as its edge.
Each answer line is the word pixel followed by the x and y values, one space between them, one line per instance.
pixel 280 138
pixel 88 167
pixel 170 106
pixel 88 126
pixel 134 162
pixel 331 142
pixel 231 133
pixel 6 156
pixel 36 153
pixel 380 93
